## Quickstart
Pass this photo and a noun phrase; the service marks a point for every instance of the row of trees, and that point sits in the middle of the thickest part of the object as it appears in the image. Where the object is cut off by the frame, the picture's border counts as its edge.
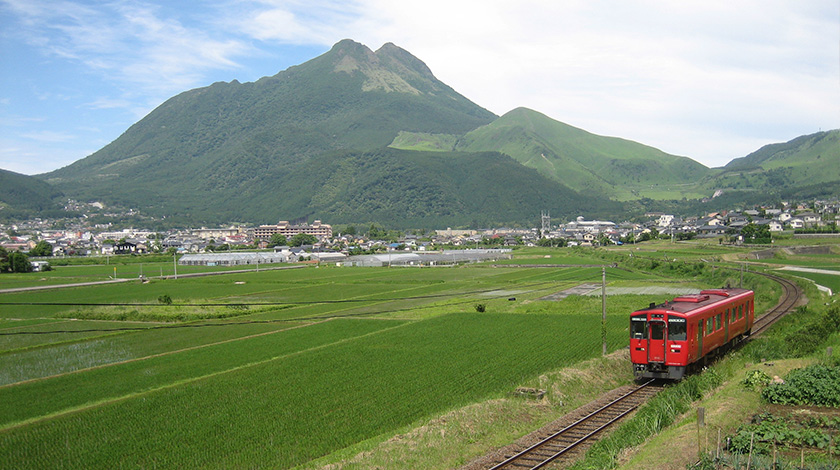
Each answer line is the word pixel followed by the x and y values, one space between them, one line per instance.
pixel 299 239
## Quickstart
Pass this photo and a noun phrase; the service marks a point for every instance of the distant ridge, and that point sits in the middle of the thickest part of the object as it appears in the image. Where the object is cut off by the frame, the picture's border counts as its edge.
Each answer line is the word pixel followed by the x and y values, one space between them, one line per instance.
pixel 25 196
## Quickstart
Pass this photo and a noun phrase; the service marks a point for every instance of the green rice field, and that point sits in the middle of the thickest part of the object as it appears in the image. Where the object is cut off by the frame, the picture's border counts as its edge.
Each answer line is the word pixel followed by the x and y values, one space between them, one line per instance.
pixel 288 366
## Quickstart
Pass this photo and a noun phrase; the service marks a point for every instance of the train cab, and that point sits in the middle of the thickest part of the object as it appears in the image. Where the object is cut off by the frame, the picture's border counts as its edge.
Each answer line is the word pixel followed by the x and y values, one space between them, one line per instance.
pixel 669 339
pixel 658 343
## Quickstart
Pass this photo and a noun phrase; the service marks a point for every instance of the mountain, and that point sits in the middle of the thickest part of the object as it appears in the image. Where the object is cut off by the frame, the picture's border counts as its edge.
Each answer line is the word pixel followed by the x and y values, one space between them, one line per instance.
pixel 805 167
pixel 618 168
pixel 226 145
pixel 356 136
pixel 22 196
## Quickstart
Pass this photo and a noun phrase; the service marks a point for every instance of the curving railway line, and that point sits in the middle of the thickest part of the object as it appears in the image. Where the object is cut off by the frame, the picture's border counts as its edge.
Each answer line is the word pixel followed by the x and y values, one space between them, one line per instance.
pixel 791 294
pixel 562 445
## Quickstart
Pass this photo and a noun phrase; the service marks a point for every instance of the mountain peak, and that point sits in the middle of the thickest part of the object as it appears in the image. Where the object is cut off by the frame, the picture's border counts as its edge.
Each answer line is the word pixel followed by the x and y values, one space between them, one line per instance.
pixel 390 69
pixel 349 47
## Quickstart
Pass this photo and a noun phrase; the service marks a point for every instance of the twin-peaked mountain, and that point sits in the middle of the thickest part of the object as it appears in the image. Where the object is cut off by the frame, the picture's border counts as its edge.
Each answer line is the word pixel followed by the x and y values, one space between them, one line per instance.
pixel 361 136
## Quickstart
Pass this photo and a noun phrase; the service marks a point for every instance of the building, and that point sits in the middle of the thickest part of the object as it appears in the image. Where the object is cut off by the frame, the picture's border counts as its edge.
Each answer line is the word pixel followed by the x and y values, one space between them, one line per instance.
pixel 217 233
pixel 317 229
pixel 234 259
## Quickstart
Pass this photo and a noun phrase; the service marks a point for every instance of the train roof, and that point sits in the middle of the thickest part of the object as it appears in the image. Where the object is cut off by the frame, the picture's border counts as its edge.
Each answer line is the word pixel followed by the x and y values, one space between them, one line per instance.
pixel 689 303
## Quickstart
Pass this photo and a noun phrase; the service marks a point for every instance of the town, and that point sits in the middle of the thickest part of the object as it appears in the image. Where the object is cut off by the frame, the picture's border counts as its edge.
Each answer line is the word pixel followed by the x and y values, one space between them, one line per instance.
pixel 42 239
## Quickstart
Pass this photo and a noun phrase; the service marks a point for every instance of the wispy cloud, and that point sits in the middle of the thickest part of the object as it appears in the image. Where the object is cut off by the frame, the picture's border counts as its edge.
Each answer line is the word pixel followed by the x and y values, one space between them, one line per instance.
pixel 49 136
pixel 129 43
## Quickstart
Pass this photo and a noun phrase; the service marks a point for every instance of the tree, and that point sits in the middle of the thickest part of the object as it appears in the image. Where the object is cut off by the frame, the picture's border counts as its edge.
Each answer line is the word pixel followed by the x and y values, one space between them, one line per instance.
pixel 43 248
pixel 753 233
pixel 4 260
pixel 278 239
pixel 303 239
pixel 19 262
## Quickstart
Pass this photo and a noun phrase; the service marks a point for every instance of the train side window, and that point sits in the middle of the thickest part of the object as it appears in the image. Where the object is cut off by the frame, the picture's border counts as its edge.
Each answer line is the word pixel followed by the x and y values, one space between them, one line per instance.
pixel 677 331
pixel 709 325
pixel 719 321
pixel 734 315
pixel 740 312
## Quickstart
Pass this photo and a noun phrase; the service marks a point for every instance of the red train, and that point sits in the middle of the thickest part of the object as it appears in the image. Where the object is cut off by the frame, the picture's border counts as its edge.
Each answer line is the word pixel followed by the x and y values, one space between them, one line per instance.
pixel 673 338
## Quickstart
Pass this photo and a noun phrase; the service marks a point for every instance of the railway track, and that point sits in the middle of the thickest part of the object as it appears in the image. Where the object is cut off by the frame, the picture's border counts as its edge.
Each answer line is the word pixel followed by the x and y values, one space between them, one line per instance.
pixel 790 296
pixel 561 444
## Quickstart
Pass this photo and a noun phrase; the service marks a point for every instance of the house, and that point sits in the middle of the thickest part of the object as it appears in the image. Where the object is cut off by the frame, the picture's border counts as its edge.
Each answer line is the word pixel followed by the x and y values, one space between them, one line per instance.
pixel 665 220
pixel 809 218
pixel 38 266
pixel 775 226
pixel 797 223
pixel 125 248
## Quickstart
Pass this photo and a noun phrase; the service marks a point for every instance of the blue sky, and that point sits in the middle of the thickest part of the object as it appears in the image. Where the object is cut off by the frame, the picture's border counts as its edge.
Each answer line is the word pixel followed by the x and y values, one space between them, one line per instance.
pixel 712 80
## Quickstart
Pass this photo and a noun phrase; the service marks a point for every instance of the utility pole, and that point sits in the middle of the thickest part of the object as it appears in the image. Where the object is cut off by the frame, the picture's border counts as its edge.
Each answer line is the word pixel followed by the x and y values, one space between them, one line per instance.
pixel 545 222
pixel 604 310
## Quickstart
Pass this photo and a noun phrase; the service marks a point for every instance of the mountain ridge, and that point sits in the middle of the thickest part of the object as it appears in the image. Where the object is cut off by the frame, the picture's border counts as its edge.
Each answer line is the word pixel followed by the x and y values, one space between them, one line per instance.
pixel 228 151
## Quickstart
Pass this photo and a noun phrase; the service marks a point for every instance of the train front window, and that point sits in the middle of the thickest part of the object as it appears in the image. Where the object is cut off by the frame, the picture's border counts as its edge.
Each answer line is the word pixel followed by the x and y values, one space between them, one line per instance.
pixel 657 330
pixel 638 328
pixel 676 329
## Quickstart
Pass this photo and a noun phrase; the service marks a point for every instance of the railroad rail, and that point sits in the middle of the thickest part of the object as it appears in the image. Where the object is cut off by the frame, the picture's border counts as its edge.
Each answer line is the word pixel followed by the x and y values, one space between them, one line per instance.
pixel 560 444
pixel 790 296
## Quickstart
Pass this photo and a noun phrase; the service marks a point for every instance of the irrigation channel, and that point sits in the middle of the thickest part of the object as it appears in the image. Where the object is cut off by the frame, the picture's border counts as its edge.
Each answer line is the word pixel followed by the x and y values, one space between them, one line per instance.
pixel 567 444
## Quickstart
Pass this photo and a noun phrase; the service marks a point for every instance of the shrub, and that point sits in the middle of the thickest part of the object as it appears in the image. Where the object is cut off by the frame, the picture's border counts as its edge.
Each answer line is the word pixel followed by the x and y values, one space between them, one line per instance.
pixel 816 384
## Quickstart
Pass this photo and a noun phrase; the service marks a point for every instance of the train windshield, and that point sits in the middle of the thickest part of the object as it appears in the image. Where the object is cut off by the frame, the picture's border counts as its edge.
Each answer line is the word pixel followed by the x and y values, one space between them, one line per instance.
pixel 638 327
pixel 676 329
pixel 657 330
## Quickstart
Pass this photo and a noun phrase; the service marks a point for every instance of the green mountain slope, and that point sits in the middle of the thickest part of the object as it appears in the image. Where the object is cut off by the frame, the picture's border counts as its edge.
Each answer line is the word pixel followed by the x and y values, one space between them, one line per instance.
pixel 204 149
pixel 23 196
pixel 422 189
pixel 805 163
pixel 583 161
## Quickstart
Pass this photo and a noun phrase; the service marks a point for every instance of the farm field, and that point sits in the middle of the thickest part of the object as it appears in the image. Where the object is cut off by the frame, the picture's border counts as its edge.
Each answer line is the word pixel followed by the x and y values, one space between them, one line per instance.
pixel 312 361
pixel 116 269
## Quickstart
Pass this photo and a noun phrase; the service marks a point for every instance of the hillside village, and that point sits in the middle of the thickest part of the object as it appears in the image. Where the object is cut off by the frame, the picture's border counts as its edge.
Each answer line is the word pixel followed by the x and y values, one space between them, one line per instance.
pixel 322 242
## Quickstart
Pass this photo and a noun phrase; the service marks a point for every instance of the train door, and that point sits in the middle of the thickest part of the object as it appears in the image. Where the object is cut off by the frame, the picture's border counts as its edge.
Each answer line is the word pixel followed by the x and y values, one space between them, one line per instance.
pixel 656 343
pixel 726 324
pixel 700 338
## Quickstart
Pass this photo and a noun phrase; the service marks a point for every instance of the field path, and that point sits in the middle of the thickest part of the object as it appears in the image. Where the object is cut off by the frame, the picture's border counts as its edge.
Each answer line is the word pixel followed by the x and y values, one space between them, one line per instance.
pixel 116 281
